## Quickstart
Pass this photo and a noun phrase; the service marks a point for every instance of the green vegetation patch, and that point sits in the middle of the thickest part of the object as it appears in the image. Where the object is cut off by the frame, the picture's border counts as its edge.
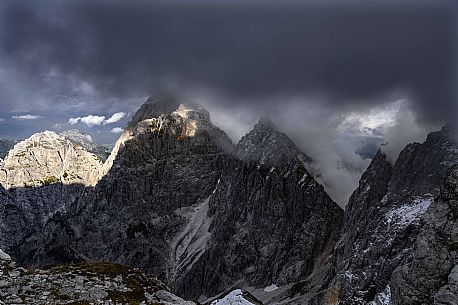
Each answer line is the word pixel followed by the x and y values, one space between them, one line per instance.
pixel 49 180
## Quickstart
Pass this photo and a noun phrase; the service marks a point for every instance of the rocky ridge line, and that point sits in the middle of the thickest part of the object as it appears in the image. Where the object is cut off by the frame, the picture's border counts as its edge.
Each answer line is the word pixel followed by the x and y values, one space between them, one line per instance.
pixel 98 283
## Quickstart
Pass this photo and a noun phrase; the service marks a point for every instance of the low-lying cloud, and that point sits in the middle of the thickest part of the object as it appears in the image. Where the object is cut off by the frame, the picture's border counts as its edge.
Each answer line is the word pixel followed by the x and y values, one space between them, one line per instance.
pixel 117 130
pixel 96 120
pixel 27 117
pixel 90 120
pixel 115 118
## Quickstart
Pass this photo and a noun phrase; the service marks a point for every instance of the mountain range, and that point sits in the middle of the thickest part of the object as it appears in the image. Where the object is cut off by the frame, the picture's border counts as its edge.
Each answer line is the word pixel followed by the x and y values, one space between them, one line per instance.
pixel 217 222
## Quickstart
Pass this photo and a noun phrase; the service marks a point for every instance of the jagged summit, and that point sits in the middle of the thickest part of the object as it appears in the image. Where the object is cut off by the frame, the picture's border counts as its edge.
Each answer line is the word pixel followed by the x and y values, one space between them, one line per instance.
pixel 267 145
pixel 79 138
pixel 47 158
pixel 264 124
pixel 193 111
pixel 155 105
pixel 384 216
pixel 166 115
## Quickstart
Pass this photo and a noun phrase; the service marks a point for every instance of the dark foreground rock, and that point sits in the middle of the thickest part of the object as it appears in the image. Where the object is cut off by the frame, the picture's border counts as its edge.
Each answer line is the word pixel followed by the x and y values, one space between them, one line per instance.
pixel 383 219
pixel 432 276
pixel 98 283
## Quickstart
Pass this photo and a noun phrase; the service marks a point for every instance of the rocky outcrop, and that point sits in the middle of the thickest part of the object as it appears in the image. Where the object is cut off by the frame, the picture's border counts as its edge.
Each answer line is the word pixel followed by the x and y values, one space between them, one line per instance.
pixel 432 275
pixel 383 218
pixel 98 283
pixel 47 158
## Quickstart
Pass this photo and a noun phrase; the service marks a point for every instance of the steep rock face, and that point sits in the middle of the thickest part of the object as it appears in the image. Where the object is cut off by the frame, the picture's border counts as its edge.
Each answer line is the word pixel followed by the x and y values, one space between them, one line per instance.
pixel 160 168
pixel 432 276
pixel 158 114
pixel 44 174
pixel 46 158
pixel 177 202
pixel 271 222
pixel 382 219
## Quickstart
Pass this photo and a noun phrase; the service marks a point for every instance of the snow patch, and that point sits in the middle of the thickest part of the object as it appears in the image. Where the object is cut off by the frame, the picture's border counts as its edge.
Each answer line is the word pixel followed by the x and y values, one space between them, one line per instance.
pixel 382 298
pixel 4 256
pixel 217 183
pixel 349 276
pixel 408 213
pixel 271 288
pixel 301 182
pixel 235 297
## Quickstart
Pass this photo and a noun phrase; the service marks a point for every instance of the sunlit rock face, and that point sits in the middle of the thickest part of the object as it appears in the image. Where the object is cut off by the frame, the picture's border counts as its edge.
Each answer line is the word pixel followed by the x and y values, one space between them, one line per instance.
pixel 47 158
pixel 42 175
pixel 164 115
pixel 177 199
pixel 86 141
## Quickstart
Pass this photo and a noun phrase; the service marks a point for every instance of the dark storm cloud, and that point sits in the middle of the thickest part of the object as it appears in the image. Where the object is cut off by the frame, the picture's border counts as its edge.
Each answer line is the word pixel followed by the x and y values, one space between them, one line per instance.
pixel 348 54
pixel 309 65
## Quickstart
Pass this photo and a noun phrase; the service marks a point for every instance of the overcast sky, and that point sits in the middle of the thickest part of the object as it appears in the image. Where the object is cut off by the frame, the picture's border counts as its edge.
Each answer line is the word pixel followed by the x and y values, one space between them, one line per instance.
pixel 326 72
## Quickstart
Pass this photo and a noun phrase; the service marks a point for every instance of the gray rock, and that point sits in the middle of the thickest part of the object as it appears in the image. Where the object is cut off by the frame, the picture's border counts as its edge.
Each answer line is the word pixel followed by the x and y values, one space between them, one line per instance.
pixel 64 285
pixel 384 217
pixel 86 141
pixel 432 275
pixel 179 202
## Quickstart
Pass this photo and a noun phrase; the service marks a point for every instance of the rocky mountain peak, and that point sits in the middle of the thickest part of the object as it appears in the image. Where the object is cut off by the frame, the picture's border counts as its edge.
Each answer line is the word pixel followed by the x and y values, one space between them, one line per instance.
pixel 267 145
pixel 384 217
pixel 185 126
pixel 46 158
pixel 79 138
pixel 155 105
pixel 264 124
pixel 193 112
